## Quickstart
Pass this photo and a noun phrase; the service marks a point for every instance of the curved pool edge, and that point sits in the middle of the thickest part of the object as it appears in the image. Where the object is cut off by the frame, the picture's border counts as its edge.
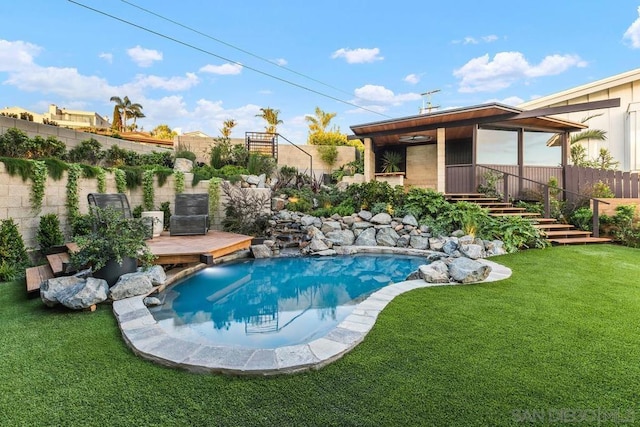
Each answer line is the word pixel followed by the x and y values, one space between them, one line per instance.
pixel 147 339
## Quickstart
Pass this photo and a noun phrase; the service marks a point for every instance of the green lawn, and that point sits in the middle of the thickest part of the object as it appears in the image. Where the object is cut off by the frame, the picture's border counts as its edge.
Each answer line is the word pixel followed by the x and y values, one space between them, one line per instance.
pixel 562 333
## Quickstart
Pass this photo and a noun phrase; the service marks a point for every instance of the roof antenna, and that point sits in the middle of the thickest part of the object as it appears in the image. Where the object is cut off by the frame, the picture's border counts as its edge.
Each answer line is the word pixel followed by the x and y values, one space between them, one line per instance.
pixel 426 102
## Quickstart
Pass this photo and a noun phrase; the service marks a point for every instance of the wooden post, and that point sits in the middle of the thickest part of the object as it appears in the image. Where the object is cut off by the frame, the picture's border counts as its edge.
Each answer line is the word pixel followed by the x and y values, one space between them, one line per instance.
pixel 474 159
pixel 505 187
pixel 547 204
pixel 520 161
pixel 596 219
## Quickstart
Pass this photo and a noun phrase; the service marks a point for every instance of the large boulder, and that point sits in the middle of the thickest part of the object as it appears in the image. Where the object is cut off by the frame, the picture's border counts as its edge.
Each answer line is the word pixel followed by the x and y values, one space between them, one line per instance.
pixel 367 238
pixel 92 291
pixel 156 274
pixel 341 237
pixel 308 220
pixel 131 285
pixel 450 246
pixel 365 215
pixel 56 288
pixel 403 241
pixel 387 237
pixel 361 225
pixel 182 165
pixel 317 245
pixel 465 270
pixel 436 243
pixel 382 218
pixel 432 275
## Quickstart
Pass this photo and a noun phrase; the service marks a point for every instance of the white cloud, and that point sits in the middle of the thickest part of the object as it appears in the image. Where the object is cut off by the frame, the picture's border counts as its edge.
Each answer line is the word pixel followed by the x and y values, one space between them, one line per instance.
pixel 490 38
pixel 379 97
pixel 224 69
pixel 144 57
pixel 482 74
pixel 281 61
pixel 469 40
pixel 358 56
pixel 107 57
pixel 412 78
pixel 474 40
pixel 633 32
pixel 15 55
pixel 265 92
pixel 510 100
pixel 167 83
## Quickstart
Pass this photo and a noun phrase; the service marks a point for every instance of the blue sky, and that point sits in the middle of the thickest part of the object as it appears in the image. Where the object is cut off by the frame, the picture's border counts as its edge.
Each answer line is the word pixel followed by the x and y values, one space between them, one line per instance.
pixel 378 55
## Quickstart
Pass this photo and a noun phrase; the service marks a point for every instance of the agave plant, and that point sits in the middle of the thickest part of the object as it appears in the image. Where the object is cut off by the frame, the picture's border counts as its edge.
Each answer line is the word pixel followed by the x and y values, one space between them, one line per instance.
pixel 391 161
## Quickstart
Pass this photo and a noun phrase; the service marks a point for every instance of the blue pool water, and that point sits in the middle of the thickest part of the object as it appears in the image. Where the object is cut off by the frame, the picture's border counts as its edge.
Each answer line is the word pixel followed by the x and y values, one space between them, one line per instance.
pixel 269 303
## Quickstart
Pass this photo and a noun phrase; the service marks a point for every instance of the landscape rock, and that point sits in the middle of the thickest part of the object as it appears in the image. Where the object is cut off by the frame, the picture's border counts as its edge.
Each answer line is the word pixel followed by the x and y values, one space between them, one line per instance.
pixel 151 301
pixel 419 242
pixel 450 246
pixel 261 251
pixel 403 241
pixel 317 245
pixel 361 225
pixel 131 285
pixel 410 220
pixel 328 252
pixel 472 251
pixel 52 290
pixel 366 238
pixel 382 218
pixel 365 215
pixel 436 243
pixel 465 270
pixel 341 237
pixel 431 275
pixel 156 274
pixel 329 226
pixel 92 291
pixel 386 237
pixel 181 164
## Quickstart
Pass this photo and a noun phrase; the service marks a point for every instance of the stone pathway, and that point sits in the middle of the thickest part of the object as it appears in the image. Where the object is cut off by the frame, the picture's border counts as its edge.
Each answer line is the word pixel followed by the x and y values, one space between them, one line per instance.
pixel 147 339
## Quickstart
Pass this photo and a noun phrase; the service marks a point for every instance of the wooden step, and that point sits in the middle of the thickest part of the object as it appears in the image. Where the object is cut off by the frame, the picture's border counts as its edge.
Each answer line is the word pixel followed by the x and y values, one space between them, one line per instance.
pixel 522 214
pixel 59 263
pixel 544 220
pixel 495 204
pixel 506 209
pixel 566 233
pixel 552 226
pixel 36 275
pixel 579 240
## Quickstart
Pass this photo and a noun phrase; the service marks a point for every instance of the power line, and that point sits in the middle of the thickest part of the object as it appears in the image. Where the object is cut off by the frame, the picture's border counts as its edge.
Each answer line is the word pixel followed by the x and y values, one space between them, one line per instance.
pixel 232 46
pixel 223 58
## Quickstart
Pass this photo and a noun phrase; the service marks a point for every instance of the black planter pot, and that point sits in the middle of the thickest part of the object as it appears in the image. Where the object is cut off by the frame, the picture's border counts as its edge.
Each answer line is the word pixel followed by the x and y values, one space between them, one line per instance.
pixel 112 271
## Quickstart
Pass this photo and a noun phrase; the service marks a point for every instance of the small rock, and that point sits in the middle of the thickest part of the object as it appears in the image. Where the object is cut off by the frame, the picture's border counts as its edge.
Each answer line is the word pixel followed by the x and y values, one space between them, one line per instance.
pixel 382 218
pixel 151 301
pixel 410 220
pixel 365 215
pixel 261 251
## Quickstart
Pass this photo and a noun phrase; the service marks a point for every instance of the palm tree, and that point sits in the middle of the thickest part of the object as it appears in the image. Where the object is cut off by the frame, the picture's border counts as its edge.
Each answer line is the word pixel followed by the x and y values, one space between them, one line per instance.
pixel 271 117
pixel 319 122
pixel 127 110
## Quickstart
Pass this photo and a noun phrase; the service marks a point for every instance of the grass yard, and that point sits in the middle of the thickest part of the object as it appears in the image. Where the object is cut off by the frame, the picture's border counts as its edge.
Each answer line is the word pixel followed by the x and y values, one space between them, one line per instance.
pixel 561 338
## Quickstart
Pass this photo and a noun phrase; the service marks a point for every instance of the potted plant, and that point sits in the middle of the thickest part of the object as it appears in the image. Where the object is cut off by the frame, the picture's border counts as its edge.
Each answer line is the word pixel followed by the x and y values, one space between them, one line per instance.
pixel 49 235
pixel 391 161
pixel 113 246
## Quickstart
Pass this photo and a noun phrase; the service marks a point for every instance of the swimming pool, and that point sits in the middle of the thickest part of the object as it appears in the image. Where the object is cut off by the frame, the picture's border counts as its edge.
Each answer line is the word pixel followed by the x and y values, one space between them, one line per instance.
pixel 275 302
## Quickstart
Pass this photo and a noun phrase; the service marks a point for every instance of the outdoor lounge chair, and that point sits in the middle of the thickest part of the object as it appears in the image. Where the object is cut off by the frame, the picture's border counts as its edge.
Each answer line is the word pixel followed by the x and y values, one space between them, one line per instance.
pixel 191 215
pixel 116 201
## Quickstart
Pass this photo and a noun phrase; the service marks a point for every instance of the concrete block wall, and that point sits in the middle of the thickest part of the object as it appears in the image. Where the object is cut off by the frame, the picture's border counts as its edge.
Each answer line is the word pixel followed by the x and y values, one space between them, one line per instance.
pixel 15 203
pixel 71 137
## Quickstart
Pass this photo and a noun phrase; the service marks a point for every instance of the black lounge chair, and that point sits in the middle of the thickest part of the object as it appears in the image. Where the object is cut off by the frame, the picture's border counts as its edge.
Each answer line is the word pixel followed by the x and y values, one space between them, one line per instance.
pixel 191 215
pixel 116 201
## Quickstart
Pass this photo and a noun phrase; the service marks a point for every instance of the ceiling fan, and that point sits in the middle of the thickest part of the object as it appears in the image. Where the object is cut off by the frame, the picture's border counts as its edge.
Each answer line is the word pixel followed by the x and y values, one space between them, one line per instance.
pixel 415 138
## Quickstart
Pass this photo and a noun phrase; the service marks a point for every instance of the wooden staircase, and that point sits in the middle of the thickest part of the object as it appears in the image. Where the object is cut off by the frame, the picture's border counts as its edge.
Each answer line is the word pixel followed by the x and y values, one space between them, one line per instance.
pixel 57 265
pixel 555 232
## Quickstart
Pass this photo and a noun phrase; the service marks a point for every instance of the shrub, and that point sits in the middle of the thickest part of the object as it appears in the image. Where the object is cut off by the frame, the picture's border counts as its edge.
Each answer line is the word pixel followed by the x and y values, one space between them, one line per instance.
pixel 366 194
pixel 89 151
pixel 15 143
pixel 164 207
pixel 490 185
pixel 514 231
pixel 582 218
pixel 186 154
pixel 245 211
pixel 13 255
pixel 49 233
pixel 81 225
pixel 116 156
pixel 260 164
pixel 328 154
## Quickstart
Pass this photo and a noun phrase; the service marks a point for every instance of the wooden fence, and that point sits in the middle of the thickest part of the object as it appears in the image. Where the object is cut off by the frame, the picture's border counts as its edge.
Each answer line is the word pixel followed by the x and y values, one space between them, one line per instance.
pixel 623 184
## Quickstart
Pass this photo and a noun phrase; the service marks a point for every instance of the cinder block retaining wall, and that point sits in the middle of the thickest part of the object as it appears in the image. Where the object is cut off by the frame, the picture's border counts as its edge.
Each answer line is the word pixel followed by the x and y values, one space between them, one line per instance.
pixel 14 200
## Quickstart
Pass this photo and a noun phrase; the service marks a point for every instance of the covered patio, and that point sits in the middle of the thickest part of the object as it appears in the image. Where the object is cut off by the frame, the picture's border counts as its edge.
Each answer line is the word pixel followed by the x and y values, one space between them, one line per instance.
pixel 445 150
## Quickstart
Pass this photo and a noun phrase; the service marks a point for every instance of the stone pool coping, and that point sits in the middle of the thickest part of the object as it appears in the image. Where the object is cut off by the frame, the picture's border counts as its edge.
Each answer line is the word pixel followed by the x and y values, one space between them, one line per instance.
pixel 147 339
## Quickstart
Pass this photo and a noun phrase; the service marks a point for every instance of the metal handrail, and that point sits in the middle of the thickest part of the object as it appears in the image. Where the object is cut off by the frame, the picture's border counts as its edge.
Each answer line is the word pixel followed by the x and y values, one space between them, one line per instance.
pixel 310 156
pixel 547 204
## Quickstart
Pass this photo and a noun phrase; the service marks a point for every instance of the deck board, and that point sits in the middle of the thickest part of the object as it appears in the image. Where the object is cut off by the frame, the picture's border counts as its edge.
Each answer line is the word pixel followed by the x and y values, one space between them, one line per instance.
pixel 187 249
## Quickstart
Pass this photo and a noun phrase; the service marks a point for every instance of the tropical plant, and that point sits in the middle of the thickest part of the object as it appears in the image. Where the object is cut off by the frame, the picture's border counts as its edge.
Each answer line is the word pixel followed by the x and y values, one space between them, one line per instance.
pixel 49 234
pixel 88 151
pixel 227 127
pixel 490 185
pixel 261 164
pixel 391 161
pixel 112 237
pixel 270 115
pixel 320 122
pixel 246 211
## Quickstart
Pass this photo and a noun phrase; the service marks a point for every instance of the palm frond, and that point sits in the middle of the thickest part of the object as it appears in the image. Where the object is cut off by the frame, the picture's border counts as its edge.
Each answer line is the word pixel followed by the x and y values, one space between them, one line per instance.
pixel 597 134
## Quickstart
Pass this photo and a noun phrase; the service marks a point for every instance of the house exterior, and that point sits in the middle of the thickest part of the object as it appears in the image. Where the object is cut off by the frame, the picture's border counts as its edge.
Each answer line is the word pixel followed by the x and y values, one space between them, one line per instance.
pixel 621 123
pixel 450 150
pixel 73 119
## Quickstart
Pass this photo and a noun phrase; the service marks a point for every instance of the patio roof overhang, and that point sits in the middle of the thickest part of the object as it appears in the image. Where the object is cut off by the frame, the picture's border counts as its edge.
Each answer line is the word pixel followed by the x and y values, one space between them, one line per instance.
pixel 460 122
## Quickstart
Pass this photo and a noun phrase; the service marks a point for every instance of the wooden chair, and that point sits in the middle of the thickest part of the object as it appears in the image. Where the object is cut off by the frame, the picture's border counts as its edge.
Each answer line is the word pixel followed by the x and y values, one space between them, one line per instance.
pixel 191 215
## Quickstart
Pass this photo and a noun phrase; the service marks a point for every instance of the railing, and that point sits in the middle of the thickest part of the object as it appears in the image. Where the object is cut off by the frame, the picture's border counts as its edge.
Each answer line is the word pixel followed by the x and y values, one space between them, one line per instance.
pixel 262 142
pixel 547 196
pixel 310 156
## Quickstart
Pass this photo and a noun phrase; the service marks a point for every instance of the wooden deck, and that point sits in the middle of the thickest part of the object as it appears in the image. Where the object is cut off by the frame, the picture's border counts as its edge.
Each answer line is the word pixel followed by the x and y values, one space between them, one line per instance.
pixel 198 248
